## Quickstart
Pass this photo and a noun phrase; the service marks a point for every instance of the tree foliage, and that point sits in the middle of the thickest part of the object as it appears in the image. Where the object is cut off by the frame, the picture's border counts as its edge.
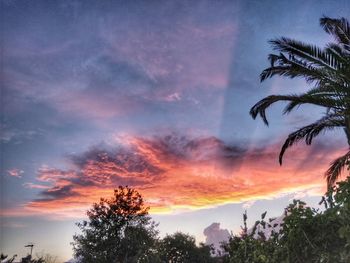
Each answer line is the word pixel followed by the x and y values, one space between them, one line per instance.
pixel 118 230
pixel 182 248
pixel 307 234
pixel 328 70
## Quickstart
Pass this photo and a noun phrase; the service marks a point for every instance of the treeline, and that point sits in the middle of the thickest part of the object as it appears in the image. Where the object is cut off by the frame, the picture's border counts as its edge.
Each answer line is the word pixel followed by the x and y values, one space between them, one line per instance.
pixel 120 230
pixel 306 235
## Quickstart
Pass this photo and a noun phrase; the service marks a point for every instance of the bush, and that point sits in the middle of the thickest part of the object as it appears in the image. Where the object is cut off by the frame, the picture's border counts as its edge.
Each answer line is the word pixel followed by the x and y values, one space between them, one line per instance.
pixel 307 234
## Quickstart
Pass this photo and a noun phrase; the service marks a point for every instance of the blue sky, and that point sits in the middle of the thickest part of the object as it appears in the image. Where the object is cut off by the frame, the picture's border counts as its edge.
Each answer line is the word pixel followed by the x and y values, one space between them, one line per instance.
pixel 154 94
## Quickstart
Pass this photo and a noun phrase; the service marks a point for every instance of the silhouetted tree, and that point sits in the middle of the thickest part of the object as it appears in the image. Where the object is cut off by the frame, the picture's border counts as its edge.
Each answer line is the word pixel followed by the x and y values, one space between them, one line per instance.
pixel 118 230
pixel 181 248
pixel 328 69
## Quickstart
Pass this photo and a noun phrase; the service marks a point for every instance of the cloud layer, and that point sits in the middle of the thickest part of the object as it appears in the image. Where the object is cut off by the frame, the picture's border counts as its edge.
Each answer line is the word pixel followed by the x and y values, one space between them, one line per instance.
pixel 176 173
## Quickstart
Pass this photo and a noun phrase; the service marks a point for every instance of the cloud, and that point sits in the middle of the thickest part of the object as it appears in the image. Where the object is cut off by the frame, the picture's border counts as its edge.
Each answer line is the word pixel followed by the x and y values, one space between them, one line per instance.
pixel 106 71
pixel 176 173
pixel 248 204
pixel 15 172
pixel 5 224
pixel 215 235
pixel 16 135
pixel 313 191
pixel 173 97
pixel 35 186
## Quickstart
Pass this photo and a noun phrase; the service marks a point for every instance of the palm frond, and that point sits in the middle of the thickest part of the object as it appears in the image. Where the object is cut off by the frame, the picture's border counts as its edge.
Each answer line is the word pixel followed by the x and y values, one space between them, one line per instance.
pixel 307 54
pixel 339 29
pixel 309 132
pixel 328 69
pixel 337 51
pixel 331 99
pixel 293 67
pixel 324 89
pixel 336 168
pixel 295 100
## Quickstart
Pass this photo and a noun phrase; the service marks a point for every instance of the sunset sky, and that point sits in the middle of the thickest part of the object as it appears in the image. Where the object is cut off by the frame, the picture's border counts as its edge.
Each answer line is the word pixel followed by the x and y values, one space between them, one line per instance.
pixel 154 95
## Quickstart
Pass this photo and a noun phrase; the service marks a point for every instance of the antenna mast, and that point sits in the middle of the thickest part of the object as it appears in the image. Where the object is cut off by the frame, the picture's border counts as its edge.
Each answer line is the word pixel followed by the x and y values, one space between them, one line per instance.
pixel 31 245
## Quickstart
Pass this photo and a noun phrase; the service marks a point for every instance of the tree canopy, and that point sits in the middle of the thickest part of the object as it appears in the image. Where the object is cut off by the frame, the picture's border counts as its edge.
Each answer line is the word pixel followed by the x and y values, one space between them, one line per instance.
pixel 181 248
pixel 118 230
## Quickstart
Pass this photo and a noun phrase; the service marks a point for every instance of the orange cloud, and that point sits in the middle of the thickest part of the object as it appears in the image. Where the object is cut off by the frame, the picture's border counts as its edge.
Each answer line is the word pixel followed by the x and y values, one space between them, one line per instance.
pixel 179 173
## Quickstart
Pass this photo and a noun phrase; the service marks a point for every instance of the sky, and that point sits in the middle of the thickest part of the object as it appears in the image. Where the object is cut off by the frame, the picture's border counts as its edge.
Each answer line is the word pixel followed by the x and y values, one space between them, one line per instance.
pixel 155 95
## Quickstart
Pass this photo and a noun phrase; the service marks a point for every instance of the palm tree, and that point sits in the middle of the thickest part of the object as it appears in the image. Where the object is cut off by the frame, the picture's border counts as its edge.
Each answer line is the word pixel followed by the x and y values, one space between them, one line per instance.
pixel 328 70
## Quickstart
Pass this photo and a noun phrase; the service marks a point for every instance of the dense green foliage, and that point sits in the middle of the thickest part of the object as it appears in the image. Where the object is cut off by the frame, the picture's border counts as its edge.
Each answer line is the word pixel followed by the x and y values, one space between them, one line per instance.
pixel 307 234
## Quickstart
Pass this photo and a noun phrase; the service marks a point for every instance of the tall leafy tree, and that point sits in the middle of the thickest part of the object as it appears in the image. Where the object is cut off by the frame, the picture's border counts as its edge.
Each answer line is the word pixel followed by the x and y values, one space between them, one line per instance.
pixel 119 230
pixel 328 71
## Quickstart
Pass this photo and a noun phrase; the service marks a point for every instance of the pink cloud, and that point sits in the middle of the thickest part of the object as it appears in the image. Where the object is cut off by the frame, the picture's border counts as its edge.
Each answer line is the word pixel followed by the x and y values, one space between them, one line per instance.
pixel 35 186
pixel 166 65
pixel 15 172
pixel 191 55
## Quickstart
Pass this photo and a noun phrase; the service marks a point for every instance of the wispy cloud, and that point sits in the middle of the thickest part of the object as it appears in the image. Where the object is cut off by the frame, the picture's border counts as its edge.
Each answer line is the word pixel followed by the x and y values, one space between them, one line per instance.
pixel 35 186
pixel 108 72
pixel 15 172
pixel 6 224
